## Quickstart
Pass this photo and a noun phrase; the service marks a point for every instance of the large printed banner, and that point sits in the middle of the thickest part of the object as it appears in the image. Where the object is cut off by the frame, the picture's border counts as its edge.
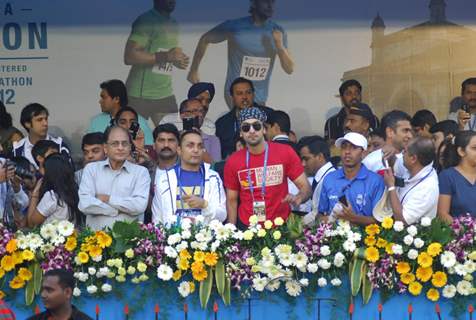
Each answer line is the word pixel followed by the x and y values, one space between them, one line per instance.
pixel 407 54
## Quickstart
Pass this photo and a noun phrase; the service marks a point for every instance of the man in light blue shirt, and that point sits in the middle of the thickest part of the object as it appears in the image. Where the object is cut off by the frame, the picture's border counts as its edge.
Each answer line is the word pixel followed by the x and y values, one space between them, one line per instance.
pixel 114 189
pixel 113 97
pixel 351 192
pixel 253 43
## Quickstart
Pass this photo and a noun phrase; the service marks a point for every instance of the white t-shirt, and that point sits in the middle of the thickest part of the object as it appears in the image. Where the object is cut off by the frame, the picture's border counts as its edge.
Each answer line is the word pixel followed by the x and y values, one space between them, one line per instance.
pixel 373 162
pixel 49 208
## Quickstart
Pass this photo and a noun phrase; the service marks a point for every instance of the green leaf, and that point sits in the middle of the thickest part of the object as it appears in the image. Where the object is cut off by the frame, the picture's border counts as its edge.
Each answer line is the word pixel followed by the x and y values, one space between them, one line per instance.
pixel 356 272
pixel 440 232
pixel 37 277
pixel 227 293
pixel 30 285
pixel 294 225
pixel 367 288
pixel 220 277
pixel 126 230
pixel 206 289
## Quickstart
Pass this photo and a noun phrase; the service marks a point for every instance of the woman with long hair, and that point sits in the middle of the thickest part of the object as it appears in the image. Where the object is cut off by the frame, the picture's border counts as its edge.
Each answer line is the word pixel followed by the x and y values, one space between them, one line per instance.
pixel 458 179
pixel 55 196
pixel 8 133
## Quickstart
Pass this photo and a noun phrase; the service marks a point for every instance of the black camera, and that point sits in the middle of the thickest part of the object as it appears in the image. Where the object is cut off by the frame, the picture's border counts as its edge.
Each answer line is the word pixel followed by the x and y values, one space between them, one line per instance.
pixel 20 171
pixel 190 123
pixel 465 108
pixel 134 129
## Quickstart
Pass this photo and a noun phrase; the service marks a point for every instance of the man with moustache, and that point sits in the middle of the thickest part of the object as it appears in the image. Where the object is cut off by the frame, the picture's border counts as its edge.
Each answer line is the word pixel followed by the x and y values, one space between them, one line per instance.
pixel 466 116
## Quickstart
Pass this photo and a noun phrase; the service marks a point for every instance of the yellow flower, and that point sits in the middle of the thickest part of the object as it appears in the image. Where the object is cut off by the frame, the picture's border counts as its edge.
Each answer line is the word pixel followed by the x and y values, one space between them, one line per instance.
pixel 261 233
pixel 250 261
pixel 387 223
pixel 197 266
pixel 370 241
pixel 407 278
pixel 472 255
pixel 17 257
pixel 83 257
pixel 141 266
pixel 389 248
pixel 95 251
pixel 192 286
pixel 439 279
pixel 2 295
pixel 253 219
pixel 70 244
pixel 177 275
pixel 11 246
pixel 28 255
pixel 434 249
pixel 372 229
pixel 183 264
pixel 268 224
pixel 200 275
pixel 415 288
pixel 184 254
pixel 381 243
pixel 211 259
pixel 403 267
pixel 121 271
pixel 424 274
pixel 103 239
pixel 277 235
pixel 17 283
pixel 433 295
pixel 2 273
pixel 24 274
pixel 129 253
pixel 199 256
pixel 279 221
pixel 248 235
pixel 371 254
pixel 425 260
pixel 7 263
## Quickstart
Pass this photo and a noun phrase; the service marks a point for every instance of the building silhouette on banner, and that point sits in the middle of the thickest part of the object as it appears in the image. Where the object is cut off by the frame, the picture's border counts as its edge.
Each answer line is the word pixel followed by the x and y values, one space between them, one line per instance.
pixel 418 67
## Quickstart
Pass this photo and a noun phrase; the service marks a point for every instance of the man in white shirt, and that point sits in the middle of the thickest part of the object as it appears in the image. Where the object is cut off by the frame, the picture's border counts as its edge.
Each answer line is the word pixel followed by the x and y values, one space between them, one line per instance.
pixel 190 188
pixel 419 197
pixel 114 189
pixel 466 115
pixel 397 131
pixel 315 155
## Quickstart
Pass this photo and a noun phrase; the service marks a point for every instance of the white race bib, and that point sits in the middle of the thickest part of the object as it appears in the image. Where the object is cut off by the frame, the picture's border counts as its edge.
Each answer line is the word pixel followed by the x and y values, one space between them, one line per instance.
pixel 165 68
pixel 255 68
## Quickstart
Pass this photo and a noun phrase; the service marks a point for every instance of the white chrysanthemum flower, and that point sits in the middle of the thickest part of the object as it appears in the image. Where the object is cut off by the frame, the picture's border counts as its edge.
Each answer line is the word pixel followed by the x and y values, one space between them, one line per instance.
pixel 273 286
pixel 460 269
pixel 398 226
pixel 259 283
pixel 215 245
pixel 412 254
pixel 186 223
pixel 412 230
pixel 397 249
pixel 312 267
pixel 238 235
pixel 336 282
pixel 304 282
pixel 300 260
pixel 222 233
pixel 174 238
pixel 186 234
pixel 323 264
pixel 181 246
pixel 47 231
pixel 199 219
pixel 325 251
pixel 268 261
pixel 170 252
pixel 57 239
pixel 293 288
pixel 92 271
pixel 184 289
pixel 65 228
pixel 322 282
pixel 418 243
pixel 349 246
pixel 408 240
pixel 97 258
pixel 92 289
pixel 106 287
pixel 76 292
pixel 449 291
pixel 339 259
pixel 164 272
pixel 470 266
pixel 448 259
pixel 464 288
pixel 426 221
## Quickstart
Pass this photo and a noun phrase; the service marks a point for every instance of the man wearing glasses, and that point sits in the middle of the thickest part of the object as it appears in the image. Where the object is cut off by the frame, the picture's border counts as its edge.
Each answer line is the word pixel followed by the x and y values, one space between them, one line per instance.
pixel 114 189
pixel 248 192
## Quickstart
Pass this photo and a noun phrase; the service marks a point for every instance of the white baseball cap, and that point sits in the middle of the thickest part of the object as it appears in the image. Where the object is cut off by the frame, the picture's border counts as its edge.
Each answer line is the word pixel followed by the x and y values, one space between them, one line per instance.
pixel 355 138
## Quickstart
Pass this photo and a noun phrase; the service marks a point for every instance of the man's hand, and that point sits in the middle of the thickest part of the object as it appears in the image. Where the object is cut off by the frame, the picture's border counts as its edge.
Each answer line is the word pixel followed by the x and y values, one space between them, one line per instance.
pixel 178 58
pixel 389 178
pixel 139 141
pixel 194 201
pixel 294 200
pixel 193 76
pixel 103 197
pixel 463 118
pixel 346 214
pixel 278 39
pixel 3 173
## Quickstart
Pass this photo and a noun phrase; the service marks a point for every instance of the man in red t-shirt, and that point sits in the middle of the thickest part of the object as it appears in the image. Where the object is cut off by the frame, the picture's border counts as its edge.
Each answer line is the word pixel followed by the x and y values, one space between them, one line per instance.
pixel 244 171
pixel 5 312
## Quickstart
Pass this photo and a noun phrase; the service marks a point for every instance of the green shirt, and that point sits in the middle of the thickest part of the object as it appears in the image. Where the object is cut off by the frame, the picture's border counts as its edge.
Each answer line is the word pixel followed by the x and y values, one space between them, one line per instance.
pixel 154 32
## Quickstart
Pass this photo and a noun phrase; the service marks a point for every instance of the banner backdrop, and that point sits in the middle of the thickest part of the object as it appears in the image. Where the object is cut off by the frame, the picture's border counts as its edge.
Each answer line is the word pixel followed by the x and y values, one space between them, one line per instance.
pixel 407 54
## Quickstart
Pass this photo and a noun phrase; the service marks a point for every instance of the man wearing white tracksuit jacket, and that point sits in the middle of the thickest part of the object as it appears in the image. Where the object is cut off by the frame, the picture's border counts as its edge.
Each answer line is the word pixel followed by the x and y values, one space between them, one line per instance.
pixel 190 188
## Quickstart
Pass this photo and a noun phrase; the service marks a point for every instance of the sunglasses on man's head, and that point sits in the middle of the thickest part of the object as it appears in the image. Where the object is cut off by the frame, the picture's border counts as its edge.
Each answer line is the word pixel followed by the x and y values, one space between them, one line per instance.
pixel 245 127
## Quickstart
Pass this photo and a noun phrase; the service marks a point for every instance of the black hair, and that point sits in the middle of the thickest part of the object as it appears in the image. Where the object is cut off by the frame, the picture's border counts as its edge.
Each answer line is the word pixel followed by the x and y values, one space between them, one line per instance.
pixel 184 103
pixel 116 88
pixel 423 117
pixel 376 132
pixel 65 277
pixel 467 82
pixel 59 178
pixel 92 138
pixel 22 162
pixel 241 80
pixel 316 145
pixel 450 155
pixel 349 83
pixel 5 117
pixel 446 126
pixel 391 119
pixel 168 128
pixel 186 133
pixel 423 148
pixel 31 110
pixel 41 148
pixel 282 119
pixel 126 109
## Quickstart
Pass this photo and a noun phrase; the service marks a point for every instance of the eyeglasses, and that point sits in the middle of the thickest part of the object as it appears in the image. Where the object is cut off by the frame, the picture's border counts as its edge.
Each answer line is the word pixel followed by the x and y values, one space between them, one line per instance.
pixel 194 112
pixel 257 126
pixel 116 144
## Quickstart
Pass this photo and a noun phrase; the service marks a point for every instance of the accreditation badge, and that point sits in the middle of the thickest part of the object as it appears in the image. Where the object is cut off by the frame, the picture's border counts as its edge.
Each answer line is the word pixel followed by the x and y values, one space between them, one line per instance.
pixel 259 210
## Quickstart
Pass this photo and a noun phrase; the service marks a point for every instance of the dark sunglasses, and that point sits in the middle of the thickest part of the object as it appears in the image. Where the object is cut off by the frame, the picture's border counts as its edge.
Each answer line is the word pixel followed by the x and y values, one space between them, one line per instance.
pixel 245 127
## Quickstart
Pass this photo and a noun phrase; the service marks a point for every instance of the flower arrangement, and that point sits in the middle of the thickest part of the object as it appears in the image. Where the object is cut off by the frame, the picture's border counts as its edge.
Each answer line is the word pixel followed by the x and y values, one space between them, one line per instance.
pixel 430 259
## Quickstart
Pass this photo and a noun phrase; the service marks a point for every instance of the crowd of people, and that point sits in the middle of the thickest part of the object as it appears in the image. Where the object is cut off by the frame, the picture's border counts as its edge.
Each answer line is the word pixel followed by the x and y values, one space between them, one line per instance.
pixel 246 163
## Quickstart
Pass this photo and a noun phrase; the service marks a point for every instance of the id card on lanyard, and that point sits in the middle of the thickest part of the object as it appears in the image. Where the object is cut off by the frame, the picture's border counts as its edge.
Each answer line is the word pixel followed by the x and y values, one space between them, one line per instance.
pixel 191 211
pixel 259 205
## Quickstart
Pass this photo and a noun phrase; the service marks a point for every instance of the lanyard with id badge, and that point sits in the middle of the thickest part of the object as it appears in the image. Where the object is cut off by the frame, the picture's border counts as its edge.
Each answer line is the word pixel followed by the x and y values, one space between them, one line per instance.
pixel 259 206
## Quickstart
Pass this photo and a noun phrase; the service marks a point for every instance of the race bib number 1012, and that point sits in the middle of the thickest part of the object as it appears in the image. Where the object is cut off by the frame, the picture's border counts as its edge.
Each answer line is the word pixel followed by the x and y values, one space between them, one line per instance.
pixel 255 68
